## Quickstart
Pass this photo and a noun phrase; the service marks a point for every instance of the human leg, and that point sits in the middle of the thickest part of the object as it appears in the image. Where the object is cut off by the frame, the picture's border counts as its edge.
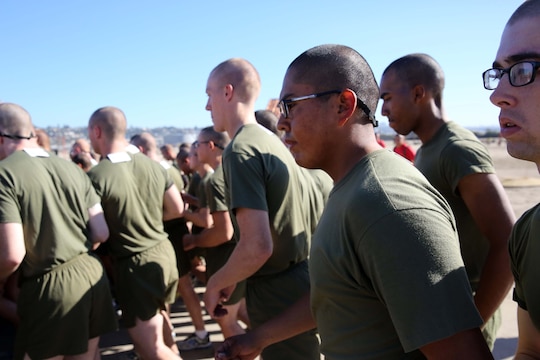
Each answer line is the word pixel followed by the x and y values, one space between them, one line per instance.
pixel 229 323
pixel 147 338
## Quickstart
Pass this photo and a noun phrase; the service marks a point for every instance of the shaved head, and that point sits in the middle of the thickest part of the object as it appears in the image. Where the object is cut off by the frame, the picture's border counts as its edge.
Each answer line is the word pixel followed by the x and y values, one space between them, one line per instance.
pixel 15 121
pixel 243 77
pixel 337 67
pixel 111 120
pixel 529 9
pixel 145 141
pixel 419 69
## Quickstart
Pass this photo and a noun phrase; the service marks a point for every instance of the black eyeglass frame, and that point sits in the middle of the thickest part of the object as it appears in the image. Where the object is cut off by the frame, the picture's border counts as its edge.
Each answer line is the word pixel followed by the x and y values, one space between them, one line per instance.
pixel 196 144
pixel 500 72
pixel 17 137
pixel 283 104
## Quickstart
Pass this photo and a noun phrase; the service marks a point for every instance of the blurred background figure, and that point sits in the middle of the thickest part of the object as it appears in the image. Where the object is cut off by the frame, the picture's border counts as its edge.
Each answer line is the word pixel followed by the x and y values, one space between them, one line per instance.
pixel 403 148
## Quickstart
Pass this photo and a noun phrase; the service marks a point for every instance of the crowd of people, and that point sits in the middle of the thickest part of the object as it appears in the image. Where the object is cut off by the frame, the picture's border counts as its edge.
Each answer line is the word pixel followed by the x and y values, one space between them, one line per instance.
pixel 310 237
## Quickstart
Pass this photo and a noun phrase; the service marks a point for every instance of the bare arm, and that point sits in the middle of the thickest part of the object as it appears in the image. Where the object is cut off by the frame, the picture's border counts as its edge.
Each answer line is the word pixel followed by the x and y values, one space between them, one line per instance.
pixel 221 232
pixel 293 321
pixel 12 248
pixel 173 206
pixel 201 217
pixel 99 231
pixel 465 345
pixel 529 337
pixel 251 252
pixel 487 202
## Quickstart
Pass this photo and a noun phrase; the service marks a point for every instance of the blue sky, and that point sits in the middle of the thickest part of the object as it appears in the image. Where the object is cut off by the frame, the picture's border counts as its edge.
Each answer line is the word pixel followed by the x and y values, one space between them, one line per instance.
pixel 62 60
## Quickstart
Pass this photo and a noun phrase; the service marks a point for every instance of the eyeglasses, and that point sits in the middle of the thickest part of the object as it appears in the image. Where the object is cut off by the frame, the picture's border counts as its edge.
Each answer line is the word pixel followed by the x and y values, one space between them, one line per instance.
pixel 17 137
pixel 519 74
pixel 285 109
pixel 196 144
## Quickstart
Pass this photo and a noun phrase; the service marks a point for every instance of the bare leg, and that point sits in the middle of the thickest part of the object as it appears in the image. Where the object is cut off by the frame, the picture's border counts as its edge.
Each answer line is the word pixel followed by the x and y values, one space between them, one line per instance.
pixel 168 329
pixel 243 314
pixel 147 338
pixel 192 302
pixel 229 323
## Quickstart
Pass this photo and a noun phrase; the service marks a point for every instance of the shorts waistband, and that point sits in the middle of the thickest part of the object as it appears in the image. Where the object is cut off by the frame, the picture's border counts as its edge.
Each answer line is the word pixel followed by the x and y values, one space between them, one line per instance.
pixel 23 279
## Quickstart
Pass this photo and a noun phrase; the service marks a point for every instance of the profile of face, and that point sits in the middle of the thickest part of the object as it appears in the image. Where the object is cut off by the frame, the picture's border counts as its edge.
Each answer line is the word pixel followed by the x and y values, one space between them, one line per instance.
pixel 398 103
pixel 307 127
pixel 519 116
pixel 214 102
pixel 193 158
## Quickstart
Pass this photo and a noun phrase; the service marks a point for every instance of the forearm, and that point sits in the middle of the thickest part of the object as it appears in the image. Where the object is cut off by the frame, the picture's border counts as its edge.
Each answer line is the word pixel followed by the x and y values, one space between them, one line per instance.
pixel 243 262
pixel 198 218
pixel 210 237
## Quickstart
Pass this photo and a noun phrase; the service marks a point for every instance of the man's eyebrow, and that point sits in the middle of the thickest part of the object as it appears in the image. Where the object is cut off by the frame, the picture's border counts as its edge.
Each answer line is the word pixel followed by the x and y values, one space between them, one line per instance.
pixel 383 95
pixel 518 57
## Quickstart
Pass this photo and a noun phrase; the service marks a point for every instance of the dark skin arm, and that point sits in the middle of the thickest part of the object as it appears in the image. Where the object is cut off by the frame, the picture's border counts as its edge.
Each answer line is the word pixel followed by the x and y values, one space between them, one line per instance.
pixel 488 204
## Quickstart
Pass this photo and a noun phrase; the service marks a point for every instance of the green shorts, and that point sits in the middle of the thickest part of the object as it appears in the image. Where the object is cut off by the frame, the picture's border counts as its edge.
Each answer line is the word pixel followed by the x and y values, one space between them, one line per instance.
pixel 145 282
pixel 268 296
pixel 216 257
pixel 176 229
pixel 64 308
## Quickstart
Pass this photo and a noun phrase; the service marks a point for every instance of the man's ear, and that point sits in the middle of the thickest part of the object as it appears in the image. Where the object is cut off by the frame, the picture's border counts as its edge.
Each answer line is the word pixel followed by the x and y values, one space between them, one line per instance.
pixel 419 93
pixel 229 91
pixel 347 105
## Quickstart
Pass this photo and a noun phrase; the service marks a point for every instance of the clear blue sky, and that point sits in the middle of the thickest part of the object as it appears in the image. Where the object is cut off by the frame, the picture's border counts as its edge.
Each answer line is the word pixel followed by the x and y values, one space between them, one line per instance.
pixel 62 60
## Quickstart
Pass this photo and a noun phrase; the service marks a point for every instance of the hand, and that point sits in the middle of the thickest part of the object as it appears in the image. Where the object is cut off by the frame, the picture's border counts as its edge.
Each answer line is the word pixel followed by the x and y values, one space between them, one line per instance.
pixel 188 241
pixel 242 347
pixel 214 296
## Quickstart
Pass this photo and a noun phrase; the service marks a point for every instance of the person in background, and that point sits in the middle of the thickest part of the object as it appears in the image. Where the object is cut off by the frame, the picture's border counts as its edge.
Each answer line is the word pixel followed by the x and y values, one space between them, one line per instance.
pixel 219 239
pixel 62 286
pixel 403 148
pixel 387 278
pixel 82 146
pixel 168 153
pixel 263 190
pixel 460 167
pixel 43 139
pixel 516 92
pixel 137 196
pixel 379 140
pixel 176 229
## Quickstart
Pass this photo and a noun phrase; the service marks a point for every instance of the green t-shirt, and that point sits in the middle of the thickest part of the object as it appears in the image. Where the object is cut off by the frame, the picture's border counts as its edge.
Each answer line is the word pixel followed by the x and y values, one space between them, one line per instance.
pixel 131 187
pixel 50 197
pixel 174 174
pixel 385 267
pixel 201 189
pixel 524 254
pixel 453 153
pixel 261 174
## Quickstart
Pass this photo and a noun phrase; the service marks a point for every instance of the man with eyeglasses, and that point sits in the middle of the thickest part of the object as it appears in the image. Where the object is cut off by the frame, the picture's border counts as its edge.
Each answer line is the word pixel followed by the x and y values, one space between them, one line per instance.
pixel 460 167
pixel 264 194
pixel 50 217
pixel 517 94
pixel 387 279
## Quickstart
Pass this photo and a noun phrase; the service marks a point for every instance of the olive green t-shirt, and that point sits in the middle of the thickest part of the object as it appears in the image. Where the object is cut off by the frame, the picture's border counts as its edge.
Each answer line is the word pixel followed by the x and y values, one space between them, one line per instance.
pixel 453 153
pixel 261 174
pixel 132 188
pixel 174 174
pixel 385 266
pixel 524 256
pixel 50 197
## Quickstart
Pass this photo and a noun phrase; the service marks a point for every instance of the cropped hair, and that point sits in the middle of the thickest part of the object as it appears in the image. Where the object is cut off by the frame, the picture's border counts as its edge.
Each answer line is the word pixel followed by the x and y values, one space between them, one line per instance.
pixel 337 67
